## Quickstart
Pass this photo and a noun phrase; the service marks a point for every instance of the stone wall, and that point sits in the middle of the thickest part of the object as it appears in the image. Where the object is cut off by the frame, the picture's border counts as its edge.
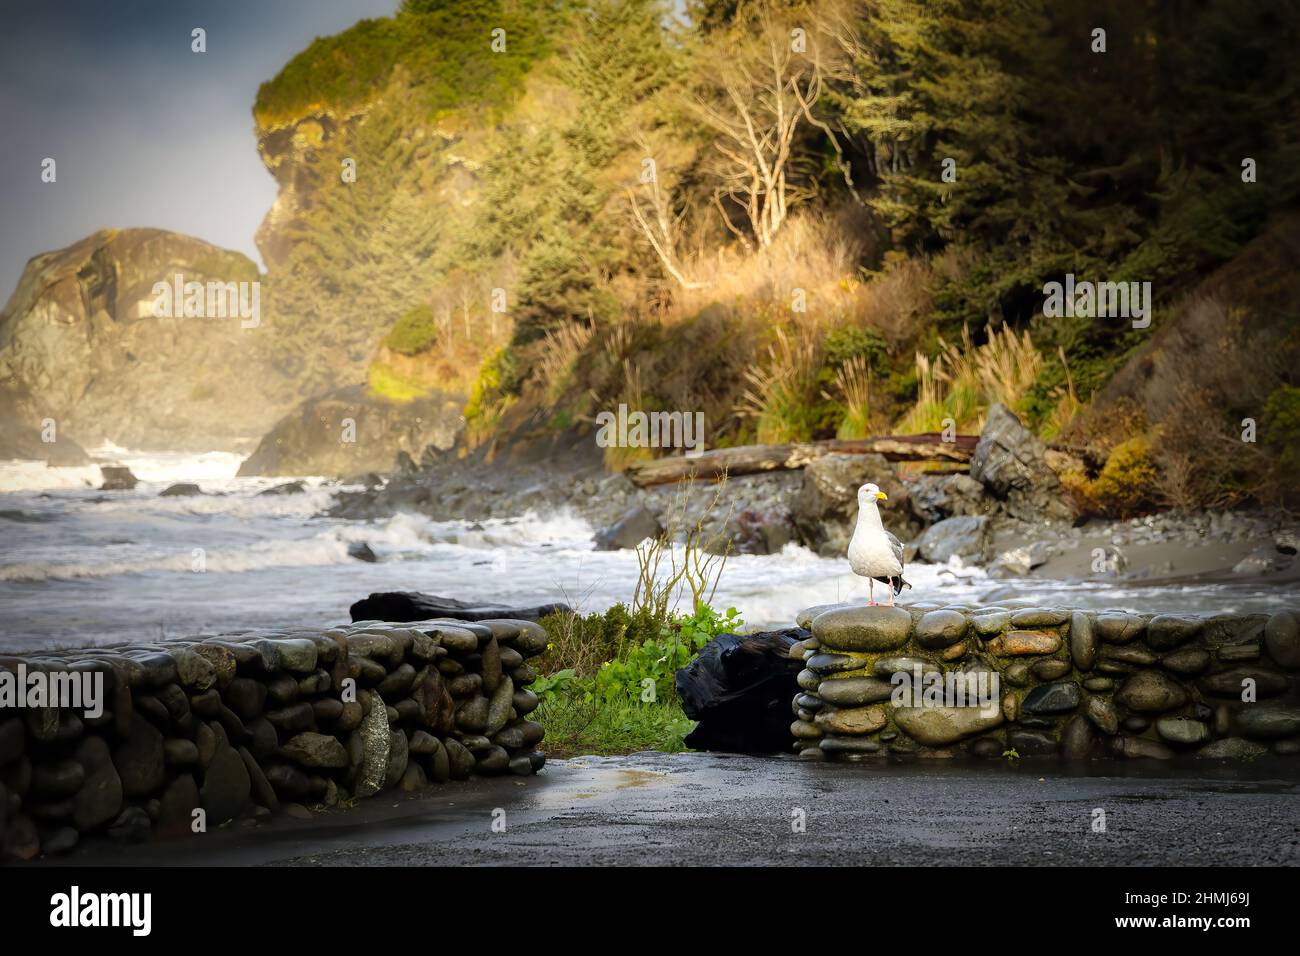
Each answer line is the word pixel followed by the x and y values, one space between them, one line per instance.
pixel 243 726
pixel 1063 682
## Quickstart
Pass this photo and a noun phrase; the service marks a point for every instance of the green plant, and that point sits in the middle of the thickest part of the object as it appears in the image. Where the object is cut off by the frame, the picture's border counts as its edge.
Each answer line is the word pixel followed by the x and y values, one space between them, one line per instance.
pixel 655 662
pixel 414 332
pixel 550 686
pixel 696 567
pixel 1282 426
pixel 1128 481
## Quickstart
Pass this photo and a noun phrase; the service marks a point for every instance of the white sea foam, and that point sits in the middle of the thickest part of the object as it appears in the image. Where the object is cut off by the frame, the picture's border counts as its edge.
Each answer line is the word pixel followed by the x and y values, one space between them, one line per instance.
pixel 78 565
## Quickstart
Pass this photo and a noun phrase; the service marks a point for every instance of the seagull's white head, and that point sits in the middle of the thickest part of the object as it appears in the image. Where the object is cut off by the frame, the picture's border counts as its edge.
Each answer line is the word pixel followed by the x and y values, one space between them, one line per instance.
pixel 869 494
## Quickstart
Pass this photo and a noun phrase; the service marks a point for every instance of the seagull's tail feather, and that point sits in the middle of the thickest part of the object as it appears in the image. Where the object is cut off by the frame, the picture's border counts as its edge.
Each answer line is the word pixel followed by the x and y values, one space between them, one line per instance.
pixel 896 582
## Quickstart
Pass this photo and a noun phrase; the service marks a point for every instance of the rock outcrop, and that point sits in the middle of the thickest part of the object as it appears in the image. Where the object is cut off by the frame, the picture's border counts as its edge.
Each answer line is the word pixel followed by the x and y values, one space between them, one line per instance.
pixel 1011 463
pixel 80 346
pixel 348 432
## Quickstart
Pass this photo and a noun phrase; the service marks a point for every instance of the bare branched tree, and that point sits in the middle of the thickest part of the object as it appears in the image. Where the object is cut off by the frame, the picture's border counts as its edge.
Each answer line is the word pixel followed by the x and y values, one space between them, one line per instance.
pixel 660 224
pixel 757 92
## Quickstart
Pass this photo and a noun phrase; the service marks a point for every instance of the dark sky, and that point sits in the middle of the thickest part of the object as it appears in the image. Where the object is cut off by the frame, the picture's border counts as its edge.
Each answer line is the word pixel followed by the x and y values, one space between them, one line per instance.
pixel 144 131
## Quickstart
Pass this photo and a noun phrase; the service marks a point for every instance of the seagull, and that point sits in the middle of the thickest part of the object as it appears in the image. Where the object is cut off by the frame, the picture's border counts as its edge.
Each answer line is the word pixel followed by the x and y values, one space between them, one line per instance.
pixel 874 553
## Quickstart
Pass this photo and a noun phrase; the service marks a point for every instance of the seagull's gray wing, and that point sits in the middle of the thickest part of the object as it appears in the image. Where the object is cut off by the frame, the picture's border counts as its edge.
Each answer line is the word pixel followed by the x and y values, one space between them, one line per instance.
pixel 896 546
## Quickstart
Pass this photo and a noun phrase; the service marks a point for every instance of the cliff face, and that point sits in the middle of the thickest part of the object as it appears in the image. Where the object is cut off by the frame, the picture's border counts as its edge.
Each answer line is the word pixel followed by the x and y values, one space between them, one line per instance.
pixel 80 344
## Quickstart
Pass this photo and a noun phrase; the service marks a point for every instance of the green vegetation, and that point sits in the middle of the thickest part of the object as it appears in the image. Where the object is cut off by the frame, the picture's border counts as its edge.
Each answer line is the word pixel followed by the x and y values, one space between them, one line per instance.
pixel 1282 426
pixel 608 678
pixel 591 223
pixel 628 702
pixel 414 332
pixel 386 382
pixel 442 47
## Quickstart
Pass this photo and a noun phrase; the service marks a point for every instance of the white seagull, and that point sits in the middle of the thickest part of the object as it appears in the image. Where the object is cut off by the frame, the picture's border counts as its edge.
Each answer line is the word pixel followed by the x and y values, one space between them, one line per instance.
pixel 874 553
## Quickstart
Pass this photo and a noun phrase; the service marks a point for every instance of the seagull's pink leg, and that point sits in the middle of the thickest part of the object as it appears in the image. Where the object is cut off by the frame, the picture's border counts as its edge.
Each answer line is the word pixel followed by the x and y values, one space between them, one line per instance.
pixel 871 593
pixel 891 593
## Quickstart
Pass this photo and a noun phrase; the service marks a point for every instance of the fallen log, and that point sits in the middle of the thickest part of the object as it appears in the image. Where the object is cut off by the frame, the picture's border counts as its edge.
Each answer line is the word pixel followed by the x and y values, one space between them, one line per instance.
pixel 753 459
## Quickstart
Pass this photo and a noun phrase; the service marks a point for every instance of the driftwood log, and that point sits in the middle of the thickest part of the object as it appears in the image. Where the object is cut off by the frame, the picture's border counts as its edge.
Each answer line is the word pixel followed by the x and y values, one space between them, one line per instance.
pixel 753 459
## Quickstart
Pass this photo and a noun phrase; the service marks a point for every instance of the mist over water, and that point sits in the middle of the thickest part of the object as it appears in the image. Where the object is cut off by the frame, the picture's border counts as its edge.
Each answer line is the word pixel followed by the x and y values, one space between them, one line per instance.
pixel 80 566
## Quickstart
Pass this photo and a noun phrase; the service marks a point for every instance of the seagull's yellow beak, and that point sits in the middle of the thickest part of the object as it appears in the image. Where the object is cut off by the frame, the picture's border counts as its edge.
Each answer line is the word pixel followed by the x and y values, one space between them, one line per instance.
pixel 881 496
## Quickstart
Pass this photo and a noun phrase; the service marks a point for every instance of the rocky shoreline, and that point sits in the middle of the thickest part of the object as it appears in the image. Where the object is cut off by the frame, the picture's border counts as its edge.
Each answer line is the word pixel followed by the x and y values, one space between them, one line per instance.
pixel 1009 515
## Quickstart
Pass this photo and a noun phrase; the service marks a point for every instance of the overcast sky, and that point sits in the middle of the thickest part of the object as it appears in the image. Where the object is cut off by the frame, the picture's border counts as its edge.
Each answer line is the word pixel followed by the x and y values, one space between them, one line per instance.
pixel 144 131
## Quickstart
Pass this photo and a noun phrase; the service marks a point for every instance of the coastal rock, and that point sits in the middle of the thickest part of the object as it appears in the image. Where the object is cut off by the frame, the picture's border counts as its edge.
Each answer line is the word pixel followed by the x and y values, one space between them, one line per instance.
pixel 628 531
pixel 1231 748
pixel 1166 631
pixel 117 478
pixel 1025 643
pixel 1083 641
pixel 1182 730
pixel 305 441
pixel 1011 462
pixel 1234 683
pixel 1118 628
pixel 825 508
pixel 459 759
pixel 939 726
pixel 1140 748
pixel 854 691
pixel 1267 721
pixel 964 537
pixel 1282 638
pixel 835 663
pixel 139 759
pixel 1151 692
pixel 226 786
pixel 936 497
pixel 863 628
pixel 99 798
pixel 1102 713
pixel 854 720
pixel 938 629
pixel 1077 738
pixel 374 740
pixel 316 750
pixel 1056 698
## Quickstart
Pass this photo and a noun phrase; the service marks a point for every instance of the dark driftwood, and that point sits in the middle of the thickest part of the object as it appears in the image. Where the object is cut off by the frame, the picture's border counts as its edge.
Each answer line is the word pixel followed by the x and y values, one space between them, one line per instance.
pixel 752 459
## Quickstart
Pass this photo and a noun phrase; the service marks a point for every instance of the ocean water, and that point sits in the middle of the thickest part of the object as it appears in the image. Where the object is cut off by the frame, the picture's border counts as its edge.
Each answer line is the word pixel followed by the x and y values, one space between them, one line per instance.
pixel 79 566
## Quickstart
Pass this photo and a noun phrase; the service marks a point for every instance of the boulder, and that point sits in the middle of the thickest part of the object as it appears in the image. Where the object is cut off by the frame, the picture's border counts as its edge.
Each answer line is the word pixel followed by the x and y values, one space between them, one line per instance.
pixel 1011 463
pixel 629 531
pixel 939 726
pixel 964 537
pixel 863 628
pixel 182 489
pixel 117 478
pixel 825 509
pixel 936 497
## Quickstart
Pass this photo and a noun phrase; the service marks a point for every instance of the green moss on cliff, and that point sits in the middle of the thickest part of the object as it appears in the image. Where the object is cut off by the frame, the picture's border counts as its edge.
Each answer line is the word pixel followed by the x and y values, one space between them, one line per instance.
pixel 446 51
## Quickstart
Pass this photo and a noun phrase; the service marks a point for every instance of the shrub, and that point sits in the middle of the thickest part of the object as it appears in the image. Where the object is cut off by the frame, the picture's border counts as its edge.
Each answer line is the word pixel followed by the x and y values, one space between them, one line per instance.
pixel 1282 426
pixel 414 332
pixel 1128 483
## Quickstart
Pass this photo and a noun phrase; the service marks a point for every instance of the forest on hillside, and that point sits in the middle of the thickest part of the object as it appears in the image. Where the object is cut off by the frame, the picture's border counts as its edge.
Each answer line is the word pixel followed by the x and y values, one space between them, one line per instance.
pixel 810 220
